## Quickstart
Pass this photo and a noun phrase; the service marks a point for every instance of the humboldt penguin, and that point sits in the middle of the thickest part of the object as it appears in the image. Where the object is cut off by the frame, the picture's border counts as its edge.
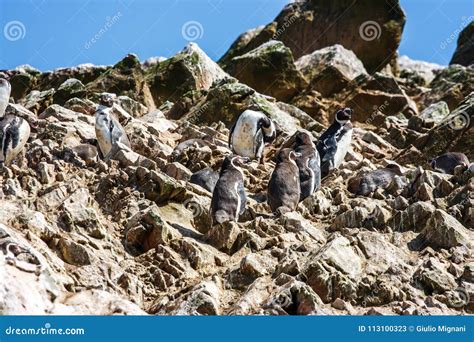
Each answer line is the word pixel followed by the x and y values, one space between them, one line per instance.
pixel 228 198
pixel 335 141
pixel 14 131
pixel 308 164
pixel 108 130
pixel 373 180
pixel 447 162
pixel 250 133
pixel 283 192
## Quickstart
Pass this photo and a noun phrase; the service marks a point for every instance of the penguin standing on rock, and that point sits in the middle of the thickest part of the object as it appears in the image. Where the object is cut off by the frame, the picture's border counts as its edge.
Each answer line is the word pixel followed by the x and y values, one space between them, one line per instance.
pixel 308 164
pixel 228 198
pixel 334 143
pixel 14 131
pixel 284 187
pixel 108 130
pixel 446 163
pixel 250 133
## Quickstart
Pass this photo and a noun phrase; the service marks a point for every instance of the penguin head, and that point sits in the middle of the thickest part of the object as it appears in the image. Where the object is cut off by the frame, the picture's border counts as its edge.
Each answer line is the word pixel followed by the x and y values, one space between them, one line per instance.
pixel 233 162
pixel 107 99
pixel 343 115
pixel 269 130
pixel 287 155
pixel 303 138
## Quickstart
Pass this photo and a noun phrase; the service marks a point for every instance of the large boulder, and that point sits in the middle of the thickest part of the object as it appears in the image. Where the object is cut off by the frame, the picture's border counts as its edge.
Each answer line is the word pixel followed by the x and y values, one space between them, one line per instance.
pixel 330 69
pixel 464 53
pixel 371 29
pixel 269 69
pixel 190 70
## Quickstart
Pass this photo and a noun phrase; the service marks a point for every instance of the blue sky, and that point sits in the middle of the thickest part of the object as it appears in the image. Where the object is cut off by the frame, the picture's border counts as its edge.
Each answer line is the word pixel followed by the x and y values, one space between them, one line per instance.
pixel 54 33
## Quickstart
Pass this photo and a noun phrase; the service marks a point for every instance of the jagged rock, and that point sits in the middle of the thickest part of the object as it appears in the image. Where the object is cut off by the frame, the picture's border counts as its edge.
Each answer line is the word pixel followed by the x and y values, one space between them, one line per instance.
pixel 84 72
pixel 464 53
pixel 95 302
pixel 414 217
pixel 256 265
pixel 444 231
pixel 223 236
pixel 190 70
pixel 453 134
pixel 269 69
pixel 83 106
pixel 74 253
pixel 378 93
pixel 334 270
pixel 374 41
pixel 419 71
pixel 295 298
pixel 330 69
pixel 124 78
pixel 69 89
pixel 433 277
pixel 37 101
pixel 451 85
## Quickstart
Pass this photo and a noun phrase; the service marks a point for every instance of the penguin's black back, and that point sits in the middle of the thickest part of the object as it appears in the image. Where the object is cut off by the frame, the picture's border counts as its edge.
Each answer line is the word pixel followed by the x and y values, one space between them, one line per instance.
pixel 284 186
pixel 227 194
pixel 206 178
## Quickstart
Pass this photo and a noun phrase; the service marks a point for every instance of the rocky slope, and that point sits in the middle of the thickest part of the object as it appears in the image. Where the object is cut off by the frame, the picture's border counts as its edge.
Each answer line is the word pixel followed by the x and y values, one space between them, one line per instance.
pixel 130 234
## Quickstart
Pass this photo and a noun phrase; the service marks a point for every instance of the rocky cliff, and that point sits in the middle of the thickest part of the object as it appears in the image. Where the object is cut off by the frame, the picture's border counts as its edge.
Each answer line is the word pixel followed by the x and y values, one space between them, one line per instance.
pixel 130 234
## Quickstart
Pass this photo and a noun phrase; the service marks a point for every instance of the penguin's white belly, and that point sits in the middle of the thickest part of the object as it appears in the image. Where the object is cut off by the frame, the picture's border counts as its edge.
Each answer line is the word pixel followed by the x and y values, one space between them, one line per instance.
pixel 243 139
pixel 342 148
pixel 23 135
pixel 103 138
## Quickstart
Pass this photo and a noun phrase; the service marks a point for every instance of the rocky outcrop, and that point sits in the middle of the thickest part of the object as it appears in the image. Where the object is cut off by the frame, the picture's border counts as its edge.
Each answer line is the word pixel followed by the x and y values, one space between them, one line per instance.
pixel 269 69
pixel 464 54
pixel 372 31
pixel 130 232
pixel 191 70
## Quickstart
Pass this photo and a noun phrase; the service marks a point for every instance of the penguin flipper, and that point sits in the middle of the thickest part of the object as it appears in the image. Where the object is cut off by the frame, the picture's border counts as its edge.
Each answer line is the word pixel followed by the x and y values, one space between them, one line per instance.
pixel 231 132
pixel 243 198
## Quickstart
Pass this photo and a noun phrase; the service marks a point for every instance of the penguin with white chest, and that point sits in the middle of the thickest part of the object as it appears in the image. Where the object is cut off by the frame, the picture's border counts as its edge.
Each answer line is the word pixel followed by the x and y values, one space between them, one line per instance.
pixel 335 141
pixel 283 192
pixel 14 131
pixel 108 129
pixel 250 133
pixel 228 198
pixel 308 164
